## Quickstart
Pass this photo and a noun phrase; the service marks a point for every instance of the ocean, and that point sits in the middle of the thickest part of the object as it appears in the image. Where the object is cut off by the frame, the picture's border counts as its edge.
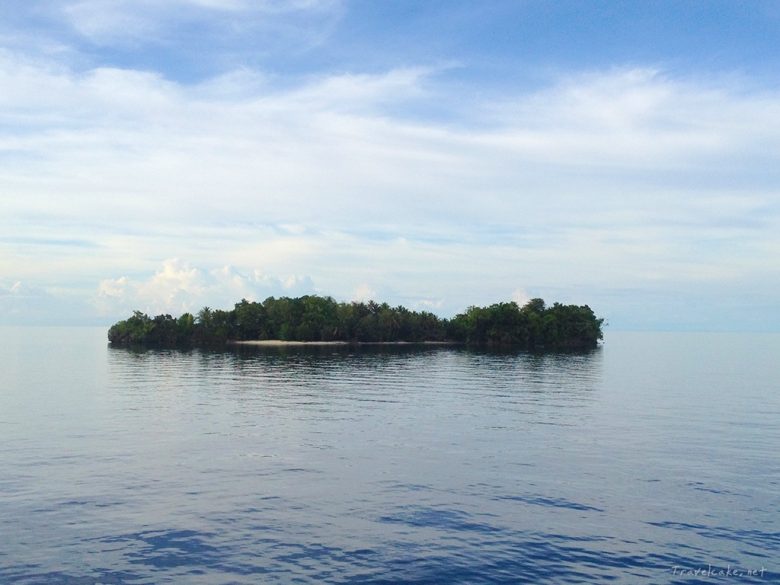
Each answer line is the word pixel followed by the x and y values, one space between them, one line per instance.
pixel 652 459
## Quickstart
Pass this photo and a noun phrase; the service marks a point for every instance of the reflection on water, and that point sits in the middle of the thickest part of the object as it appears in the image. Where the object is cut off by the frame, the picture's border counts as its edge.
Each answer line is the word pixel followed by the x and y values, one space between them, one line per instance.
pixel 383 465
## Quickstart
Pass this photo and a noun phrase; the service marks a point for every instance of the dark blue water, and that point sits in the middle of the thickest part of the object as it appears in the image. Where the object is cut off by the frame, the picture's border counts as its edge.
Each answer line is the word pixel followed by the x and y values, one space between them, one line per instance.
pixel 645 461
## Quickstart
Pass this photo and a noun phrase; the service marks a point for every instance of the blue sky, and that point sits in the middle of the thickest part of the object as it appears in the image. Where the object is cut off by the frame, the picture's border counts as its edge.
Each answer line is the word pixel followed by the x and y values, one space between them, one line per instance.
pixel 165 155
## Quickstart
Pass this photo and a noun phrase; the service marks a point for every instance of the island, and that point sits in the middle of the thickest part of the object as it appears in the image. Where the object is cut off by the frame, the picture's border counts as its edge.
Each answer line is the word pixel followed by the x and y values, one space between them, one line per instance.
pixel 320 319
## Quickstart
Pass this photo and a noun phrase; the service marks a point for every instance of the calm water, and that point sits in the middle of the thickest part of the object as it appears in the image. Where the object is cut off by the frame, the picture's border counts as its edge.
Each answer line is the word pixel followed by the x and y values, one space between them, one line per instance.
pixel 653 456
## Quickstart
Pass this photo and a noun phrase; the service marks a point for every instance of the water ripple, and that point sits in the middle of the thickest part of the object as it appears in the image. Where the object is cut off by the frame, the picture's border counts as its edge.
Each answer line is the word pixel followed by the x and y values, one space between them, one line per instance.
pixel 406 465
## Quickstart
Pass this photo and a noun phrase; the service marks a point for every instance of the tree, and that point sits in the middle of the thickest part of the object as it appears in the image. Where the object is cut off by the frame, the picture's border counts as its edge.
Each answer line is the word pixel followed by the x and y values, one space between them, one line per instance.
pixel 315 318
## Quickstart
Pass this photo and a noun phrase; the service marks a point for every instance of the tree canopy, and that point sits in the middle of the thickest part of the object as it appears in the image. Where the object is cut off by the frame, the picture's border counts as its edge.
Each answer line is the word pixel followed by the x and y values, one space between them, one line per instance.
pixel 316 318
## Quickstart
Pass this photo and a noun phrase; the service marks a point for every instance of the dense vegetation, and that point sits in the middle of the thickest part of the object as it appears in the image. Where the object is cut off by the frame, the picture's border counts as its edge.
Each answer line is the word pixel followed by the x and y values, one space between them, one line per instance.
pixel 315 318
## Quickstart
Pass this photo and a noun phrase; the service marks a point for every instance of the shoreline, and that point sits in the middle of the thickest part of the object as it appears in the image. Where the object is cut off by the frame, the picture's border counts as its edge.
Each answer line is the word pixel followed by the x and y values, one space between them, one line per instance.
pixel 283 343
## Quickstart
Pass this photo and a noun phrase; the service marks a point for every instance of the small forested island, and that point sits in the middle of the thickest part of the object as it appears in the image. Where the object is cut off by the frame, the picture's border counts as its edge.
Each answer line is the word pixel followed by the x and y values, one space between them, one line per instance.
pixel 312 318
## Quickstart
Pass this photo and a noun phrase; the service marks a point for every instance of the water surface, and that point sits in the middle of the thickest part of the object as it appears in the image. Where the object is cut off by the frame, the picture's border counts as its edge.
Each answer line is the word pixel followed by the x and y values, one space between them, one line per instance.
pixel 643 461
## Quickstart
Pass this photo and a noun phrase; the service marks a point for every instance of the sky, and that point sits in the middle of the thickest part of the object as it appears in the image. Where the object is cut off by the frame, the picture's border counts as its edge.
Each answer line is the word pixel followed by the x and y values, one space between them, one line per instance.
pixel 165 155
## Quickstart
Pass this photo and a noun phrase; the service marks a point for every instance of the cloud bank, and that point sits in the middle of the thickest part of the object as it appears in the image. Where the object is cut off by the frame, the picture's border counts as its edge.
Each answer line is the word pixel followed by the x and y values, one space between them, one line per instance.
pixel 178 288
pixel 629 188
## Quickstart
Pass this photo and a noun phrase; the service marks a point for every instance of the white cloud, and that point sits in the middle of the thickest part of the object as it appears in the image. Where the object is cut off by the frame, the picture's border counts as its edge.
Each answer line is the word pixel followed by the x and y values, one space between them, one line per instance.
pixel 520 297
pixel 364 293
pixel 155 22
pixel 177 287
pixel 25 304
pixel 432 305
pixel 619 179
pixel 15 289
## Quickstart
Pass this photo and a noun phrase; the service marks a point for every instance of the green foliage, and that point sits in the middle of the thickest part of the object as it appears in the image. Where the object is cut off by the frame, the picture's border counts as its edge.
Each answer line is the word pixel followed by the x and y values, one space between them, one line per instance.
pixel 315 318
pixel 130 331
pixel 534 326
pixel 161 331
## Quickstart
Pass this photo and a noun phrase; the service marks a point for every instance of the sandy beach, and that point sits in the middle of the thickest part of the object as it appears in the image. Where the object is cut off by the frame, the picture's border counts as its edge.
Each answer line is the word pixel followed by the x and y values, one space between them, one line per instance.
pixel 283 343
